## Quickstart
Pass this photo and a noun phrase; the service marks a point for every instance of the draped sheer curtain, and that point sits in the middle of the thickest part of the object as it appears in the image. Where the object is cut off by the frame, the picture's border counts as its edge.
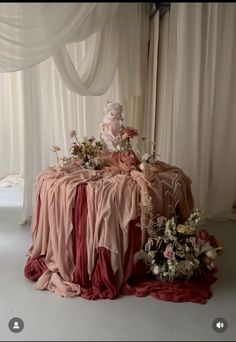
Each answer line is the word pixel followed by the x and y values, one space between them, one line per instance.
pixel 11 125
pixel 186 104
pixel 41 104
pixel 196 103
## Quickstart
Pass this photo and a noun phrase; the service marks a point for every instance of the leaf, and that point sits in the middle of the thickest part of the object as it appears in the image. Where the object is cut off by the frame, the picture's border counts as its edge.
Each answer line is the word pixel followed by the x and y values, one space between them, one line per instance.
pixel 142 255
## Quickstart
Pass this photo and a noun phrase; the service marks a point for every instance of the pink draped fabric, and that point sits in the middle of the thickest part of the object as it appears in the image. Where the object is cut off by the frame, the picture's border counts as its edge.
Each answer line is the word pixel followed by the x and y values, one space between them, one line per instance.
pixel 125 161
pixel 104 282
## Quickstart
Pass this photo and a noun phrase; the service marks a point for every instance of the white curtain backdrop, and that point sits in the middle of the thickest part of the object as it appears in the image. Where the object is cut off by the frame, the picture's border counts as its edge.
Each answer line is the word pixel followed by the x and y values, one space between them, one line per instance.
pixel 39 102
pixel 33 32
pixel 11 125
pixel 30 33
pixel 196 108
pixel 151 91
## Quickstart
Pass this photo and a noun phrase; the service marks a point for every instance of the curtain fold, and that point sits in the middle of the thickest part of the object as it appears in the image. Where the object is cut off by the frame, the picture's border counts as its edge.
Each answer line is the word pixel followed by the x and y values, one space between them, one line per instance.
pixel 196 112
pixel 30 33
pixel 151 92
pixel 11 125
pixel 40 102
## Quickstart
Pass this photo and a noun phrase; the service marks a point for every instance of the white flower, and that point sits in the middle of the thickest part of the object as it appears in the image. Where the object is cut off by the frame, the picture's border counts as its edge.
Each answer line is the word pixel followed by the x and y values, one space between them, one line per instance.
pixel 151 254
pixel 142 166
pixel 55 148
pixel 145 157
pixel 156 269
pixel 211 253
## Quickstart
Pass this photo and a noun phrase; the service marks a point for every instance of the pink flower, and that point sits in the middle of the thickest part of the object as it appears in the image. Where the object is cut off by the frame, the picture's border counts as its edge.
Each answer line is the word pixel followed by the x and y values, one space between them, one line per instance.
pixel 72 134
pixel 125 136
pixel 206 237
pixel 203 235
pixel 129 132
pixel 169 253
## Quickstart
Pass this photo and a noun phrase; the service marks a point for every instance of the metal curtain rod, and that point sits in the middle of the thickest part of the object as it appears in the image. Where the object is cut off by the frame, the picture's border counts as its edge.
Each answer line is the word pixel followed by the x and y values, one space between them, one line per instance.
pixel 163 7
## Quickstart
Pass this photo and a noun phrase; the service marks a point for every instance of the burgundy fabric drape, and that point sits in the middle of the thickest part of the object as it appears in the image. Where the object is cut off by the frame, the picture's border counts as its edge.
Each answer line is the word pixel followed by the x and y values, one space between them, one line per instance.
pixel 35 268
pixel 136 281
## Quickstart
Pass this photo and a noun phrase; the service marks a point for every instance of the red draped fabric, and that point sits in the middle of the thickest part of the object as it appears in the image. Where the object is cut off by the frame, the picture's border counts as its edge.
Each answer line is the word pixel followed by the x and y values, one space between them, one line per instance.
pixel 35 268
pixel 136 281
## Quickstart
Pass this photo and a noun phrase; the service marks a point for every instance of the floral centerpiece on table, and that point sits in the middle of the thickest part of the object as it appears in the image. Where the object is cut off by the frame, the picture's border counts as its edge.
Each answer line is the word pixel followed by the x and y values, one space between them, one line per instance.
pixel 114 136
pixel 87 151
pixel 178 251
pixel 84 153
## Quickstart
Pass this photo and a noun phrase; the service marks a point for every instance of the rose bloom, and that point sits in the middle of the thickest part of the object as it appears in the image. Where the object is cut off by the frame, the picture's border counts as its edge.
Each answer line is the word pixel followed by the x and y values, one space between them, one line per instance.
pixel 169 253
pixel 129 132
pixel 125 136
pixel 181 228
pixel 184 229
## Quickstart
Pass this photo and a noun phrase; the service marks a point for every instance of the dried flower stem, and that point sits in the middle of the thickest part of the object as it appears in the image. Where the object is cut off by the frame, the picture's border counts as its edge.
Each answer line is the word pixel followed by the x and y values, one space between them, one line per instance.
pixel 77 139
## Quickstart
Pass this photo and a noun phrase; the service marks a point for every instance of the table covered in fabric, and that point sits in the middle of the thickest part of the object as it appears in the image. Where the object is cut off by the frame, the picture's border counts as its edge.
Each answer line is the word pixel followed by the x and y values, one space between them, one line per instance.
pixel 86 232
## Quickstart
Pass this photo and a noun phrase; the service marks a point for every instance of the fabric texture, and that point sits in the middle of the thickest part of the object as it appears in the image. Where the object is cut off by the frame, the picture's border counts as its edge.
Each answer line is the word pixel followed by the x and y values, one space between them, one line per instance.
pixel 196 105
pixel 85 231
pixel 104 282
pixel 38 108
pixel 33 32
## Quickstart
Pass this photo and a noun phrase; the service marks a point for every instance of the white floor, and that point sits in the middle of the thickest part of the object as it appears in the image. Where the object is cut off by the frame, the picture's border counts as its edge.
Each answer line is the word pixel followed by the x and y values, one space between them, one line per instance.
pixel 49 317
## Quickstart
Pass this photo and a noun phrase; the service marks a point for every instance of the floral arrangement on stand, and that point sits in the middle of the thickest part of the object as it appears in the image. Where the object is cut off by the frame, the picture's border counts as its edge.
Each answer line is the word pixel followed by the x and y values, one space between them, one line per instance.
pixel 177 251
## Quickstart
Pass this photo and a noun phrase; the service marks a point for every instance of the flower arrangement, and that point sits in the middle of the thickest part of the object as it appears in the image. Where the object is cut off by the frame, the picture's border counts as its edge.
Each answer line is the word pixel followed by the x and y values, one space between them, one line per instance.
pixel 114 136
pixel 178 251
pixel 128 133
pixel 83 153
pixel 87 151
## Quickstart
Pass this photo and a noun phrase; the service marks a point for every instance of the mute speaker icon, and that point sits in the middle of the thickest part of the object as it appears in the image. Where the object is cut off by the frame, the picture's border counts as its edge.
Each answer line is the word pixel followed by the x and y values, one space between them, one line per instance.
pixel 220 325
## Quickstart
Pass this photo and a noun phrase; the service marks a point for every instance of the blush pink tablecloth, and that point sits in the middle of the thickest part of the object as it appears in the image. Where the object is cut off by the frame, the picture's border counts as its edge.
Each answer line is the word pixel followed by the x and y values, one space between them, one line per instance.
pixel 85 231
